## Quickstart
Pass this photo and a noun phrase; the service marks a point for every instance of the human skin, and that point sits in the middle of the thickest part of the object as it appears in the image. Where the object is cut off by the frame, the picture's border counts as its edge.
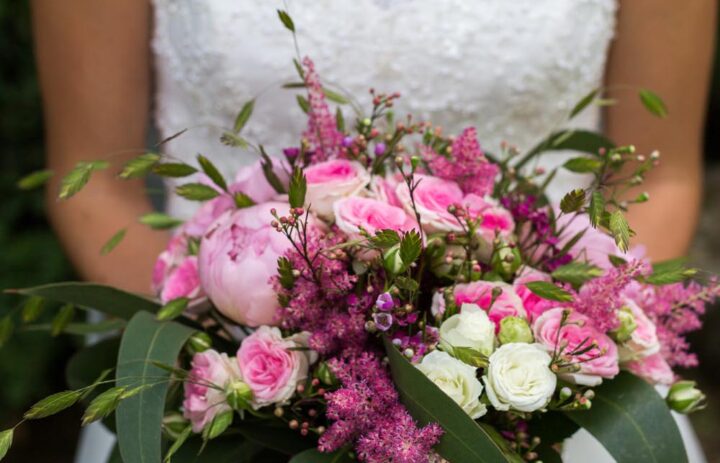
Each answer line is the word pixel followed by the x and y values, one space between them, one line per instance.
pixel 94 64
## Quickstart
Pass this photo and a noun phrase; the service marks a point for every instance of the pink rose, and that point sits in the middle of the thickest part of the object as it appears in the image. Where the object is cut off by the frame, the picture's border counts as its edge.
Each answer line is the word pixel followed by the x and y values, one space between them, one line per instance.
pixel 578 334
pixel 653 369
pixel 238 255
pixel 272 366
pixel 251 180
pixel 534 304
pixel 506 304
pixel 331 180
pixel 384 188
pixel 643 341
pixel 202 402
pixel 370 214
pixel 433 196
pixel 495 220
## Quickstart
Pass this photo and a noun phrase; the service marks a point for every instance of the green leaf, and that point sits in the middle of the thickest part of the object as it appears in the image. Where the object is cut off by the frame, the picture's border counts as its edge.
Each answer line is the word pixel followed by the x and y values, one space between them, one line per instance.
pixel 139 166
pixel 583 165
pixel 576 273
pixel 6 439
pixel 52 404
pixel 620 230
pixel 279 438
pixel 159 221
pixel 174 169
pixel 35 179
pixel 78 177
pixel 597 208
pixel 408 284
pixel 286 20
pixel 469 355
pixel 410 247
pixel 670 271
pixel 173 309
pixel 315 456
pixel 243 116
pixel 218 425
pixel 616 261
pixel 178 443
pixel 62 319
pixel 113 242
pixel 573 201
pixel 303 103
pixel 106 299
pixel 298 188
pixel 242 200
pixel 212 172
pixel 339 120
pixel 196 191
pixel 234 140
pixel 463 439
pixel 573 140
pixel 583 103
pixel 139 418
pixel 385 238
pixel 6 329
pixel 285 271
pixel 82 329
pixel 653 103
pixel 299 69
pixel 550 291
pixel 103 405
pixel 269 172
pixel 32 309
pixel 632 422
pixel 335 97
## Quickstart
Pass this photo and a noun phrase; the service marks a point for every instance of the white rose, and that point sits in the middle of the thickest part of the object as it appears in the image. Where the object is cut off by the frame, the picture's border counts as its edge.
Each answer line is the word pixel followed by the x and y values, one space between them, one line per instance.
pixel 456 379
pixel 331 180
pixel 519 377
pixel 469 328
pixel 643 341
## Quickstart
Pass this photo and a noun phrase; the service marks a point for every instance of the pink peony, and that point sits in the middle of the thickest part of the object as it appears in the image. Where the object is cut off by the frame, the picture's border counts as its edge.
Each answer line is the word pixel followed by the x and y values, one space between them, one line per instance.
pixel 370 214
pixel 433 196
pixel 577 334
pixel 251 180
pixel 534 304
pixel 506 304
pixel 238 255
pixel 384 188
pixel 205 388
pixel 331 180
pixel 653 369
pixel 272 366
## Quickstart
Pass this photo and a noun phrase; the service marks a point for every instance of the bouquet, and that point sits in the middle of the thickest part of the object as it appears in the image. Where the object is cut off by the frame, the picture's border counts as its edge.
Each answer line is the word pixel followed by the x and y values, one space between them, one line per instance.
pixel 384 292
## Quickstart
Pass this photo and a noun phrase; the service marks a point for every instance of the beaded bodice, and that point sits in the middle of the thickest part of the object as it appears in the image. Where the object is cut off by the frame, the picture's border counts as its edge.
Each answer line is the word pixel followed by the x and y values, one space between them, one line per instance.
pixel 511 68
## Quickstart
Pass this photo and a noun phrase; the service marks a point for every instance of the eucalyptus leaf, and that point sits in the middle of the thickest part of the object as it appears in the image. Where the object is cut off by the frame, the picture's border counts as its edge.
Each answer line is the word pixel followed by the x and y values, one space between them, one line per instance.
pixel 632 422
pixel 463 439
pixel 139 418
pixel 106 299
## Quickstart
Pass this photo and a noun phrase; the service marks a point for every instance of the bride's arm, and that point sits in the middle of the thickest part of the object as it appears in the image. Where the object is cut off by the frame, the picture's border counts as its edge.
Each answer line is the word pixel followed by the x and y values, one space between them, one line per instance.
pixel 94 67
pixel 665 46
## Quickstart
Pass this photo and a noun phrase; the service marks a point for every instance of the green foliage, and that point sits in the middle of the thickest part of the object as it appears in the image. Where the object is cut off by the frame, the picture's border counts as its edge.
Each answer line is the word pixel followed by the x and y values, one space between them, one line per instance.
pixel 573 201
pixel 52 404
pixel 173 309
pixel 549 291
pixel 196 191
pixel 113 241
pixel 410 247
pixel 174 169
pixel 212 172
pixel 298 188
pixel 243 116
pixel 6 438
pixel 139 166
pixel 620 230
pixel 653 103
pixel 576 273
pixel 159 221
pixel 286 20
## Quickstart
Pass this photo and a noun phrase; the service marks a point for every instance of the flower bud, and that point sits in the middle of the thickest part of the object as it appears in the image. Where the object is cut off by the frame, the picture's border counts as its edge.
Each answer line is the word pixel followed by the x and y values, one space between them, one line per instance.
pixel 392 261
pixel 238 395
pixel 627 325
pixel 199 342
pixel 514 329
pixel 506 261
pixel 684 397
pixel 174 424
pixel 324 374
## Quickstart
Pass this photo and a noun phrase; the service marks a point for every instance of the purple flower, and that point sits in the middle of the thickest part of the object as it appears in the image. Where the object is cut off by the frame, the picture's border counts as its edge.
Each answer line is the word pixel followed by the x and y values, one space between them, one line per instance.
pixel 385 302
pixel 291 152
pixel 347 141
pixel 380 149
pixel 383 321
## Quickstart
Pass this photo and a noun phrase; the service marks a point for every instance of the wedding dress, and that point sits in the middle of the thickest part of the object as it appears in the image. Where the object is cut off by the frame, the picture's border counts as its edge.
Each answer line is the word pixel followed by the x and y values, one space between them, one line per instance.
pixel 511 68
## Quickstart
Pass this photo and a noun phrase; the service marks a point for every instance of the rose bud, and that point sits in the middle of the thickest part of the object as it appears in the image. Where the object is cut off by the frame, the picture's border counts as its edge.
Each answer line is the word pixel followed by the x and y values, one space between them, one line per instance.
pixel 684 397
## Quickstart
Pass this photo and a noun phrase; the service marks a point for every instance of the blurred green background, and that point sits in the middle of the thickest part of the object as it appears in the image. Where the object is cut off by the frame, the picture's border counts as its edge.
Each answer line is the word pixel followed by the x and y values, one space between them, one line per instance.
pixel 32 365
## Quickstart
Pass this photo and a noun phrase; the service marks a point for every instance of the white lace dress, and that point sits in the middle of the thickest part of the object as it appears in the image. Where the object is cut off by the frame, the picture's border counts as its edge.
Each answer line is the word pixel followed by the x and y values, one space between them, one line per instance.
pixel 512 68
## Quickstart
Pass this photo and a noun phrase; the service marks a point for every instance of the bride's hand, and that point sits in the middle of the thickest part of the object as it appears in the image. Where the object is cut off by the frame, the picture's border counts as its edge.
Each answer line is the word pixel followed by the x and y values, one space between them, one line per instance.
pixel 665 46
pixel 94 67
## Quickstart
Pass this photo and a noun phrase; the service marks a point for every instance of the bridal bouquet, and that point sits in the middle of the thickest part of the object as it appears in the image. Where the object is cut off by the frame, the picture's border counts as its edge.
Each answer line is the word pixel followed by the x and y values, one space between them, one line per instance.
pixel 384 292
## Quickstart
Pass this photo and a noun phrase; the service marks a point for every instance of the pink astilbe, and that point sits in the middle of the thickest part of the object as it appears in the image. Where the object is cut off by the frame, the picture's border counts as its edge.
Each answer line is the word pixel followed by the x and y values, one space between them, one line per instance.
pixel 676 309
pixel 321 134
pixel 600 297
pixel 366 410
pixel 322 300
pixel 466 164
